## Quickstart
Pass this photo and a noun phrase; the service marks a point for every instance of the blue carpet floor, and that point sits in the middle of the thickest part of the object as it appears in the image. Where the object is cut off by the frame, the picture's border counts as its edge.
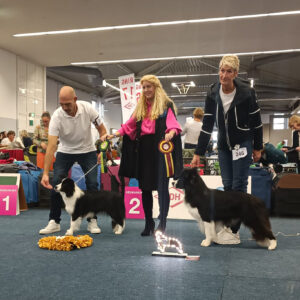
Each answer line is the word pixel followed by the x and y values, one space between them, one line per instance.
pixel 121 267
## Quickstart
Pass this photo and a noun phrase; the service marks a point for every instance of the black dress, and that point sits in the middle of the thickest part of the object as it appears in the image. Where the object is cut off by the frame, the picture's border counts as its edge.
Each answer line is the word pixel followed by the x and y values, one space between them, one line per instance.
pixel 148 151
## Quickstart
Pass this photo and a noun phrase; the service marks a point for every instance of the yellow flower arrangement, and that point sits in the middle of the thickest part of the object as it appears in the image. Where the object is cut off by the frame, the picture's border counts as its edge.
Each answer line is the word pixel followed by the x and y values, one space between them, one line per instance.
pixel 65 243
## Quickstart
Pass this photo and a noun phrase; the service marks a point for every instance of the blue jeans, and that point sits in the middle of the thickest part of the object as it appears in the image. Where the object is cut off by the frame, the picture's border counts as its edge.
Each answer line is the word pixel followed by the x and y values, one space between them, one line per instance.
pixel 235 172
pixel 62 165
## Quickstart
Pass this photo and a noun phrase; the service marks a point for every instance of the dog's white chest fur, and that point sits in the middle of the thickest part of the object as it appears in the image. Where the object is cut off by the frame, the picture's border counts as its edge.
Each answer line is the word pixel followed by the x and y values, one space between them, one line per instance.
pixel 195 214
pixel 71 201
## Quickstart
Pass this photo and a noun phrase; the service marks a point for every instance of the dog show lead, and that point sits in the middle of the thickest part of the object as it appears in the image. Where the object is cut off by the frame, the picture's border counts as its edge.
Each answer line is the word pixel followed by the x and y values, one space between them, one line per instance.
pixel 232 104
pixel 71 124
pixel 153 120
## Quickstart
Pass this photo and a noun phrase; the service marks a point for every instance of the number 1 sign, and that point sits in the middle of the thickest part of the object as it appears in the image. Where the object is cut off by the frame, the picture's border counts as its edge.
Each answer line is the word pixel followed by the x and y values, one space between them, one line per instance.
pixel 9 203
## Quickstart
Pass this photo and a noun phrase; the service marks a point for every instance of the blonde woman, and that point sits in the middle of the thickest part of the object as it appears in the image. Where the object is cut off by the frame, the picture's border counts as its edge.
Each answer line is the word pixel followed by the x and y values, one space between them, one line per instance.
pixel 153 120
pixel 27 141
pixel 294 124
pixel 232 103
pixel 192 129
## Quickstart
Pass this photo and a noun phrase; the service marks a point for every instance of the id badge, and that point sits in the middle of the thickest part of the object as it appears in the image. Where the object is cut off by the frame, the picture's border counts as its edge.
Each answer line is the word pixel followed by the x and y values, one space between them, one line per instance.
pixel 239 153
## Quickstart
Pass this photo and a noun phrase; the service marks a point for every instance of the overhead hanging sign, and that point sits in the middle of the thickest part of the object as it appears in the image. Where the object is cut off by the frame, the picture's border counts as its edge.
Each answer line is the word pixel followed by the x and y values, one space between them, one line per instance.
pixel 138 91
pixel 128 95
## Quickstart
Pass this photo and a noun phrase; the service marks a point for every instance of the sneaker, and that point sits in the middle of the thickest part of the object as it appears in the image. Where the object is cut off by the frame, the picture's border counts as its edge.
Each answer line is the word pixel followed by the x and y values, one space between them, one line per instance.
pixel 227 237
pixel 93 226
pixel 50 228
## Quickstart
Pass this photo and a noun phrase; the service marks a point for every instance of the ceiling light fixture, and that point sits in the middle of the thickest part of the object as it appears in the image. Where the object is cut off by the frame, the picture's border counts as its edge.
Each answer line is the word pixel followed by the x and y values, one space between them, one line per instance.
pixel 183 87
pixel 104 62
pixel 106 28
pixel 186 75
pixel 181 75
pixel 183 95
pixel 188 107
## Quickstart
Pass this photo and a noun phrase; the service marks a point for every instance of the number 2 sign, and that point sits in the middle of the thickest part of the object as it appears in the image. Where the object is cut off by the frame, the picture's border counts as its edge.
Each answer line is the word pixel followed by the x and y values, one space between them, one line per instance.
pixel 133 203
pixel 9 204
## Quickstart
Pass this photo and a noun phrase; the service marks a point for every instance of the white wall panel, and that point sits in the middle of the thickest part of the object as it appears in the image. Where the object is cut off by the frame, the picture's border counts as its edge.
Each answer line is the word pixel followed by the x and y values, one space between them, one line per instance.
pixel 21 76
pixel 8 99
pixel 52 88
pixel 30 105
pixel 31 79
pixel 22 122
pixel 38 107
pixel 112 116
pixel 22 103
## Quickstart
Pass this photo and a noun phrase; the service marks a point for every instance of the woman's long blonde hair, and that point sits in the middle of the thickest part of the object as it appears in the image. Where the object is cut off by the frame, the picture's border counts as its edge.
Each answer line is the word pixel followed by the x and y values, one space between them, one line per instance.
pixel 295 119
pixel 160 102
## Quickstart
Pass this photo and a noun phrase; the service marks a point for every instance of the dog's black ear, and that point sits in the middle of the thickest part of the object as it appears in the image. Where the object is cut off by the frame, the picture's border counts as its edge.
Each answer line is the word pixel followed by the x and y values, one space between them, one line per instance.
pixel 68 186
pixel 194 175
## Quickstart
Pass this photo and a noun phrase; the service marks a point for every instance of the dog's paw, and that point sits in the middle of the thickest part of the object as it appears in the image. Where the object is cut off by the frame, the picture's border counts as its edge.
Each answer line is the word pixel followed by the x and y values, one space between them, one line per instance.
pixel 206 243
pixel 118 229
pixel 273 245
pixel 69 232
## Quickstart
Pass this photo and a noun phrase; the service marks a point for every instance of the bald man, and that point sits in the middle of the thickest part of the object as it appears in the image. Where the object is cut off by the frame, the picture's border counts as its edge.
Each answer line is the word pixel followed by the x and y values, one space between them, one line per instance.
pixel 71 124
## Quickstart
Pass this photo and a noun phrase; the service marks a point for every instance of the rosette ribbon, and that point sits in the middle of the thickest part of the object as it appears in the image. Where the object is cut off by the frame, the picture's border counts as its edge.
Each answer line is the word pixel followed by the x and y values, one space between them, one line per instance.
pixel 166 148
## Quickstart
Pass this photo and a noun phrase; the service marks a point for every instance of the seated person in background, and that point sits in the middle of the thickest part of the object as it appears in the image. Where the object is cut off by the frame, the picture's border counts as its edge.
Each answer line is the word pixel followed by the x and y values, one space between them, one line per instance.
pixel 294 124
pixel 2 135
pixel 192 129
pixel 27 141
pixel 9 139
pixel 11 142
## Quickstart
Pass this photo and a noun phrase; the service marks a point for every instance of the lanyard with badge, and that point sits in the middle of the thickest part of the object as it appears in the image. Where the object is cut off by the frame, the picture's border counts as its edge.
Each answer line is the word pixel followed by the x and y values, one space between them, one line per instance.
pixel 238 152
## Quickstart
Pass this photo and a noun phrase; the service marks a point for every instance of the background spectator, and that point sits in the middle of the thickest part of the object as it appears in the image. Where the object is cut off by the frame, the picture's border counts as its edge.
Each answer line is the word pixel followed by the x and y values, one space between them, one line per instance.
pixel 40 138
pixel 192 129
pixel 294 124
pixel 27 141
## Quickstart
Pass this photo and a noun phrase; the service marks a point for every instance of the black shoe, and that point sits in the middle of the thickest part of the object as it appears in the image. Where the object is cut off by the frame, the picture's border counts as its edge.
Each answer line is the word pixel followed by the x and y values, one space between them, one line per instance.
pixel 149 228
pixel 161 226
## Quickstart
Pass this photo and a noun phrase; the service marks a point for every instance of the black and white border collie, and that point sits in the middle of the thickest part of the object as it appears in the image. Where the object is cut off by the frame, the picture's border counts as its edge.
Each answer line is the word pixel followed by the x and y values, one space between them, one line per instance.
pixel 81 204
pixel 213 208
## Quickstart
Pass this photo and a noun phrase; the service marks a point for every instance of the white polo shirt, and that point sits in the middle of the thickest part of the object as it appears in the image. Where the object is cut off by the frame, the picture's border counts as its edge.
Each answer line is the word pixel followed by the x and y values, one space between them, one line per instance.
pixel 75 133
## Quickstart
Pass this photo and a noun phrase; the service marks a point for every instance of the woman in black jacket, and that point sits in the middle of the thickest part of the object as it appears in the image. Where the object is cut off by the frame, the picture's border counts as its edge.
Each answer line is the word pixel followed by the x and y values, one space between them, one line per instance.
pixel 231 103
pixel 153 121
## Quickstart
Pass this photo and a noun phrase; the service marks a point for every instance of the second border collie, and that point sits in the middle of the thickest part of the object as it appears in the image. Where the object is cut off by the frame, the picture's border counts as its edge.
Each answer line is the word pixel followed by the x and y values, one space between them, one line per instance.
pixel 210 207
pixel 80 204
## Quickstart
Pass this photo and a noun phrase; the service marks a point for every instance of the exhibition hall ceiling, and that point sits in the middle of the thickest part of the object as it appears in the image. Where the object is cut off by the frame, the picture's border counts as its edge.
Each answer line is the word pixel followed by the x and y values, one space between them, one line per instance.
pixel 192 48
